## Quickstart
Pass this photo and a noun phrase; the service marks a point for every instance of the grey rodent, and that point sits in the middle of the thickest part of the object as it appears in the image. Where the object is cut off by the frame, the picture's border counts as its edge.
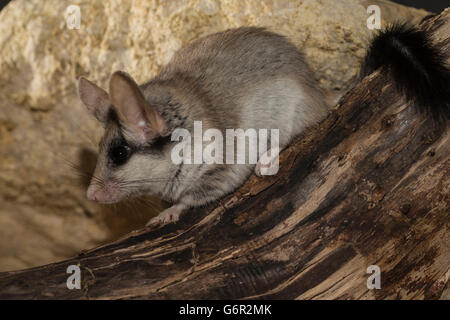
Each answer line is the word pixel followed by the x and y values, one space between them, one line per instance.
pixel 241 78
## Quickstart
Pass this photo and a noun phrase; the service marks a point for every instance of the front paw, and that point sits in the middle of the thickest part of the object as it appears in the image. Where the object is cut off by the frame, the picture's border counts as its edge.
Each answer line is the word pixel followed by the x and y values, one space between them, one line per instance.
pixel 268 163
pixel 167 216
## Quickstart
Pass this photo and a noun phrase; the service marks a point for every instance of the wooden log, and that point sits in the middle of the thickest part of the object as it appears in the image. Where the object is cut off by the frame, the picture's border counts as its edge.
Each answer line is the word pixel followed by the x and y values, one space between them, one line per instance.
pixel 369 186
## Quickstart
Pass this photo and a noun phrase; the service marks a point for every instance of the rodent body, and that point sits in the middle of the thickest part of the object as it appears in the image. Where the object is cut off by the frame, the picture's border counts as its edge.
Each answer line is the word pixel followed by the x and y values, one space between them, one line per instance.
pixel 241 78
pixel 245 78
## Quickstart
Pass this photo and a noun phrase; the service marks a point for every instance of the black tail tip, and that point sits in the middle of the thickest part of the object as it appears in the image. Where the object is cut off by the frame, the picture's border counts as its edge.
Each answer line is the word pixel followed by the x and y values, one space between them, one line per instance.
pixel 418 66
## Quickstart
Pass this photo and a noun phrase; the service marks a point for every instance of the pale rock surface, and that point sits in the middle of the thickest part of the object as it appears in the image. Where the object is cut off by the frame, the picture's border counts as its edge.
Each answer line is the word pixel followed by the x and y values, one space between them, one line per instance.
pixel 44 215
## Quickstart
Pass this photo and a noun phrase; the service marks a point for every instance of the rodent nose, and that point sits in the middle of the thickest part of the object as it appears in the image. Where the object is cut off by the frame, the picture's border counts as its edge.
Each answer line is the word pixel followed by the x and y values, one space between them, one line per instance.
pixel 91 192
pixel 106 193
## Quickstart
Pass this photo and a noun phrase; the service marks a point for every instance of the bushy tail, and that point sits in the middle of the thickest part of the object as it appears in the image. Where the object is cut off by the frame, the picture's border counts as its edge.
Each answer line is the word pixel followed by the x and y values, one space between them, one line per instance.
pixel 417 66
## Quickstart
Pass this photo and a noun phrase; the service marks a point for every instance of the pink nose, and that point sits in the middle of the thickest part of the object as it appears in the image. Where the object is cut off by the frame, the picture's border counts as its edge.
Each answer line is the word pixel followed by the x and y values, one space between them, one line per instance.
pixel 93 192
pixel 105 194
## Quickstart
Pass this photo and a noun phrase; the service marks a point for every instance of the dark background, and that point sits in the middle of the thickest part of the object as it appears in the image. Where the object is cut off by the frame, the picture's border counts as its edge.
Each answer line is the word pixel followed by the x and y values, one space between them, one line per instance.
pixel 430 5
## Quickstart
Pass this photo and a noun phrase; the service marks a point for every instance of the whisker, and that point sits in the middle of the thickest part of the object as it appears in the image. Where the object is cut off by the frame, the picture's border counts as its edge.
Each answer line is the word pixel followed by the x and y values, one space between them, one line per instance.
pixel 80 172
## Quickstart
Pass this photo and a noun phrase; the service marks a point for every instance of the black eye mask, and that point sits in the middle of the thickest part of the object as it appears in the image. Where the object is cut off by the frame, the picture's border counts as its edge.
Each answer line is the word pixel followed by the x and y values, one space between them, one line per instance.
pixel 119 152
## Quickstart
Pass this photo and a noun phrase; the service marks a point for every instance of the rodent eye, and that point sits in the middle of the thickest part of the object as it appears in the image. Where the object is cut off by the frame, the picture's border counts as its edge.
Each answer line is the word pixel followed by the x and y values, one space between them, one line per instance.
pixel 119 154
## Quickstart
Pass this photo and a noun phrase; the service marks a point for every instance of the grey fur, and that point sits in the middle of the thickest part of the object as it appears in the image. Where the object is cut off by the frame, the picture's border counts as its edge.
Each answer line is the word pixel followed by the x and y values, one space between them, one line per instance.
pixel 240 78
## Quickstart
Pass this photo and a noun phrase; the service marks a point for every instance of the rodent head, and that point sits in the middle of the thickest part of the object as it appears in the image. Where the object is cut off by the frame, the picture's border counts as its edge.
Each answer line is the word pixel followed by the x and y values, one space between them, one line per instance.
pixel 134 153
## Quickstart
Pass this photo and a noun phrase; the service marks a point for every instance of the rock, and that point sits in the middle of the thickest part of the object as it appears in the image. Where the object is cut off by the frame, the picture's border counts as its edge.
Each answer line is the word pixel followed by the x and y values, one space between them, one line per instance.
pixel 45 131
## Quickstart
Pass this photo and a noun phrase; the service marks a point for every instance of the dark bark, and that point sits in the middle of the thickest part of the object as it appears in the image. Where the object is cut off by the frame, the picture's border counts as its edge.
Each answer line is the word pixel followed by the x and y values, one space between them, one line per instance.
pixel 370 185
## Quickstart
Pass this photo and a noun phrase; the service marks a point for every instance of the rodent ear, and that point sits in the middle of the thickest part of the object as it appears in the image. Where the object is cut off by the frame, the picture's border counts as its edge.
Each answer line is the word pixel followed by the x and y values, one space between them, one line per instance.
pixel 95 98
pixel 138 116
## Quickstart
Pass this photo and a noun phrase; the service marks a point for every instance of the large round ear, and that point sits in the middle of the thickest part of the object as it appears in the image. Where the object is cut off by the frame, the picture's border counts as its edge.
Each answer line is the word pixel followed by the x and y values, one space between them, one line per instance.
pixel 141 119
pixel 95 98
